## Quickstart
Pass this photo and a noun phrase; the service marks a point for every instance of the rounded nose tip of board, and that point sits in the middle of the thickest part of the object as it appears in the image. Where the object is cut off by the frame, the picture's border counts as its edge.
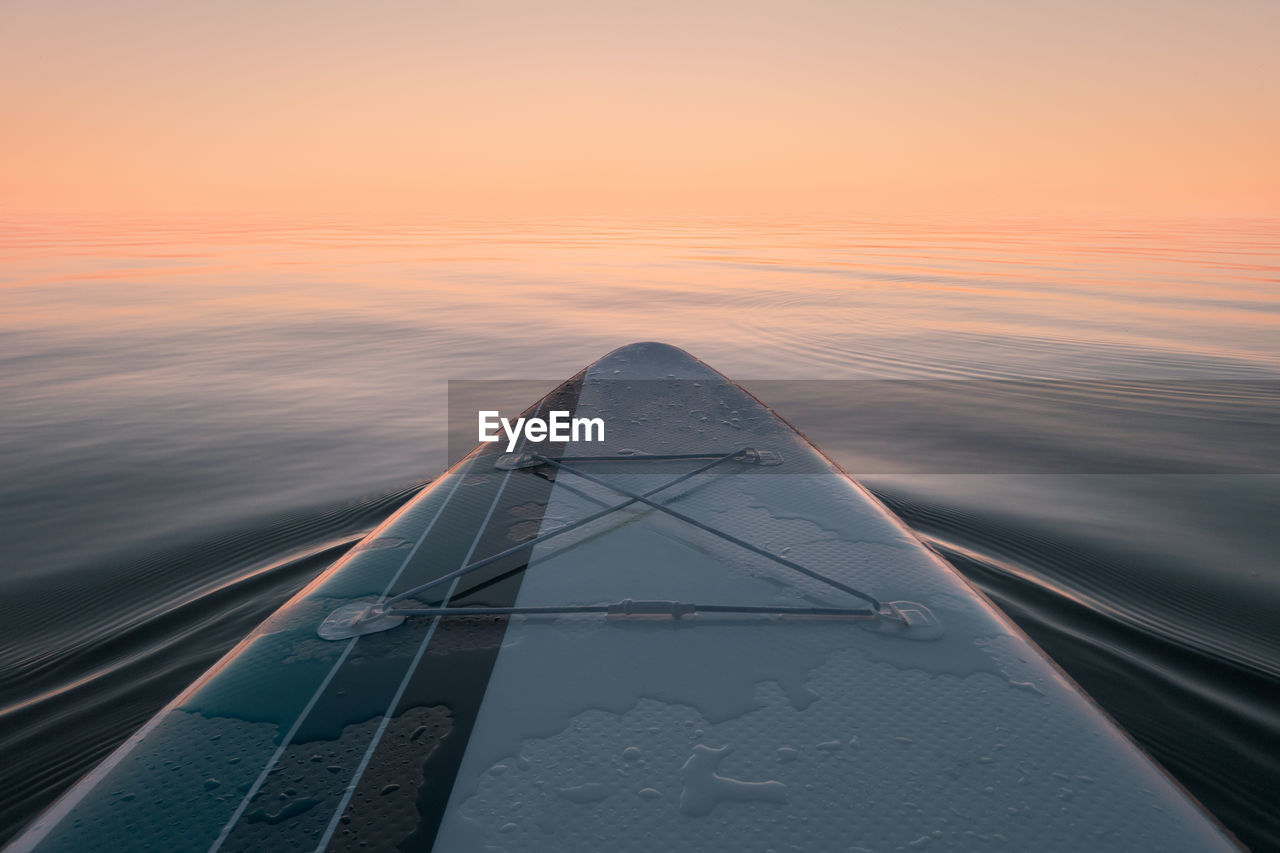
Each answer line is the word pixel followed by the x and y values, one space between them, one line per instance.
pixel 356 619
pixel 651 349
pixel 651 360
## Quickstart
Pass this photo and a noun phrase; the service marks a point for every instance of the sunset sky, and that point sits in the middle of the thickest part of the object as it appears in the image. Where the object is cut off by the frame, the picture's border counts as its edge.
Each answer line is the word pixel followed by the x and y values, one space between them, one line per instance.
pixel 841 106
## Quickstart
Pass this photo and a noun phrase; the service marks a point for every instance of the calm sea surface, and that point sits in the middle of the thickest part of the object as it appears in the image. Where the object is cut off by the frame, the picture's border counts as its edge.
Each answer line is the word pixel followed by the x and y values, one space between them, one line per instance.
pixel 197 418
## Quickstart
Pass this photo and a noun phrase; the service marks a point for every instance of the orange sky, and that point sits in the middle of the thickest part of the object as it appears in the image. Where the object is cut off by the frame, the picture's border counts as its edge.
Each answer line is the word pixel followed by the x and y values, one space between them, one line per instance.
pixel 509 105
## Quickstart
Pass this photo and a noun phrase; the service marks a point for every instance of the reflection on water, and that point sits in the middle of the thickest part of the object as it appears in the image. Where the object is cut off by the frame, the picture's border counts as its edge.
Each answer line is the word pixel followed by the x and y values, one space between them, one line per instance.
pixel 200 416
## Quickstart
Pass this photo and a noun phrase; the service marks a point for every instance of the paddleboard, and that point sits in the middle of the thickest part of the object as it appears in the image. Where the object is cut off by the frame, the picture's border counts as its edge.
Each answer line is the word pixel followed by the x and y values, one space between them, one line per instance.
pixel 698 633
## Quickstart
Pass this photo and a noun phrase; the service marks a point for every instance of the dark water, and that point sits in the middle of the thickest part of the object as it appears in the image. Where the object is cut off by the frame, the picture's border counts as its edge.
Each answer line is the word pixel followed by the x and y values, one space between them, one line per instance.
pixel 199 417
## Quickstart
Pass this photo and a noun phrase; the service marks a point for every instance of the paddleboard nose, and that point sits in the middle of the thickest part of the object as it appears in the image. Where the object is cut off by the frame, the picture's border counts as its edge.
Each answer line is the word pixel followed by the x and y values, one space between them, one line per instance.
pixel 650 360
